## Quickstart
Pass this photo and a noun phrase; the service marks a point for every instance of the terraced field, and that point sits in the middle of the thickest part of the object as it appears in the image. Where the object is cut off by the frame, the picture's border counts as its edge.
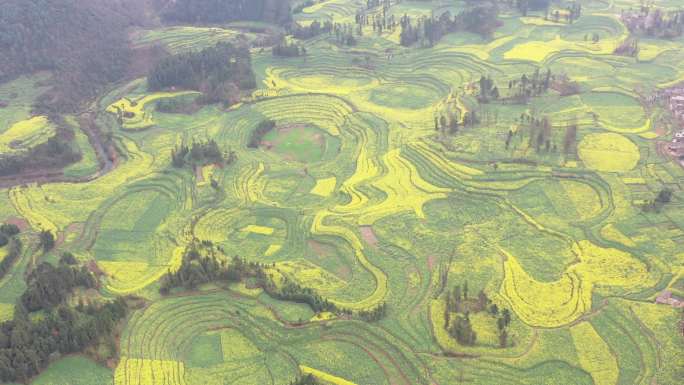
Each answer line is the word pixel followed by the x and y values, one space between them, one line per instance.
pixel 356 195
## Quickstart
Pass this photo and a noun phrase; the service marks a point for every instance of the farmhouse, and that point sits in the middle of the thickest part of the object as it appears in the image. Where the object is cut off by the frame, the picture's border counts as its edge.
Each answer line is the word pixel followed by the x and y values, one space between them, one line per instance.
pixel 677 106
pixel 674 98
pixel 666 298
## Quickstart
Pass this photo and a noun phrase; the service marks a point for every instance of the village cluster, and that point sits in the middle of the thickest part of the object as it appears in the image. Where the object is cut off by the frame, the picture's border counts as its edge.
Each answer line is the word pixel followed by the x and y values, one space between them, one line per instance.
pixel 676 106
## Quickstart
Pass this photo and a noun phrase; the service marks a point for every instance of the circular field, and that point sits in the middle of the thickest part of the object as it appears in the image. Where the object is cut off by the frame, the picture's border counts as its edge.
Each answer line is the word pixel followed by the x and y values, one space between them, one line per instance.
pixel 404 95
pixel 605 27
pixel 299 142
pixel 608 152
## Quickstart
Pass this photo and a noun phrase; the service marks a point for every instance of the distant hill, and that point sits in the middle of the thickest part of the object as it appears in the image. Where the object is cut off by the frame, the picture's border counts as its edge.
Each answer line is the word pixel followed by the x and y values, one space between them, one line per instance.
pixel 84 43
pixel 221 11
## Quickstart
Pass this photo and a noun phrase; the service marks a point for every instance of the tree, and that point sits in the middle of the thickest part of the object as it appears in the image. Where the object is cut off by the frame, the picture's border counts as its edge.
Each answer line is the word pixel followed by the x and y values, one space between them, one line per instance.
pixel 263 128
pixel 664 196
pixel 462 330
pixel 457 297
pixel 570 140
pixel 9 229
pixel 509 137
pixel 47 240
pixel 305 380
pixel 503 338
pixel 506 315
pixel 494 310
pixel 68 258
pixel 218 72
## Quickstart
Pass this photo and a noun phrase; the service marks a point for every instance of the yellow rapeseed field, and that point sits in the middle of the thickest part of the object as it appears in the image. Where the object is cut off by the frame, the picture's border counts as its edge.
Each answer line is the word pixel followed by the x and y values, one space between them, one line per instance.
pixel 583 197
pixel 25 134
pixel 263 230
pixel 139 118
pixel 544 304
pixel 405 189
pixel 6 311
pixel 594 354
pixel 272 249
pixel 136 371
pixel 310 275
pixel 608 152
pixel 611 233
pixel 327 377
pixel 324 187
pixel 610 267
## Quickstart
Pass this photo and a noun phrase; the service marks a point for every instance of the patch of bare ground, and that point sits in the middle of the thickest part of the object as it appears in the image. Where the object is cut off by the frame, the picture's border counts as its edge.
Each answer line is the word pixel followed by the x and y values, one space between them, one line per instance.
pixel 199 175
pixel 431 262
pixel 368 235
pixel 21 223
pixel 318 248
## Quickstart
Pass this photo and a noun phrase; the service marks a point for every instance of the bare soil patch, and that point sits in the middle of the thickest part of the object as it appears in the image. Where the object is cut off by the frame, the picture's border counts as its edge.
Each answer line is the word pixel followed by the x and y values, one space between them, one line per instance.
pixel 368 235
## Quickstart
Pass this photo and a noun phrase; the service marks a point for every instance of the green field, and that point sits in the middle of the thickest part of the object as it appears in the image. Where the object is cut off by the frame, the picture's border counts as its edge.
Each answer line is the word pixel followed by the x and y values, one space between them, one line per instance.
pixel 356 195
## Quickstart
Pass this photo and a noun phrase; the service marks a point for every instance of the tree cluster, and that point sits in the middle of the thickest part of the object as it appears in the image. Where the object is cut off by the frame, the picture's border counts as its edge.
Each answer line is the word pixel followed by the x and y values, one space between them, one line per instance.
pixel 27 345
pixel 452 118
pixel 344 34
pixel 263 128
pixel 294 292
pixel 312 30
pixel 380 21
pixel 663 198
pixel 219 72
pixel 200 154
pixel 223 11
pixel 203 262
pixel 288 49
pixel 481 19
pixel 375 314
pixel 568 14
pixel 48 286
pixel 305 380
pixel 55 153
pixel 449 124
pixel 540 130
pixel 530 86
pixel 629 47
pixel 460 328
pixel 654 22
pixel 488 90
pixel 8 235
pixel 186 104
pixel 570 140
pixel 47 240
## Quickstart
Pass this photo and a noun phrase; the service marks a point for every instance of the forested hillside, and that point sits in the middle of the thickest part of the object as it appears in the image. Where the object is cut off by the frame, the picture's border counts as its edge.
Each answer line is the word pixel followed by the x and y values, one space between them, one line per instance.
pixel 220 11
pixel 218 72
pixel 83 42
